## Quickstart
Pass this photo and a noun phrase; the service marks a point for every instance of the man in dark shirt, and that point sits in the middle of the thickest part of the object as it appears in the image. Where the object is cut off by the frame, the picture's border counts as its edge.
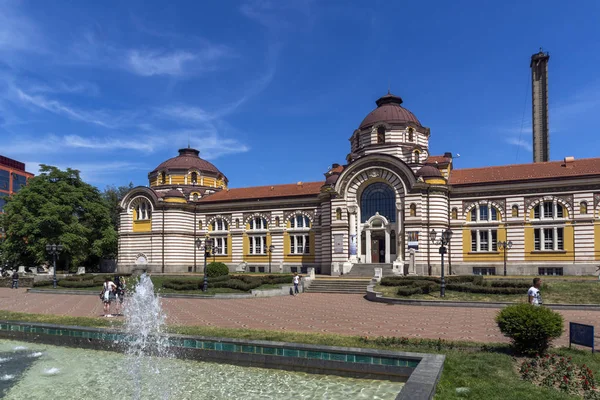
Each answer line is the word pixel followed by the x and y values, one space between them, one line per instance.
pixel 15 278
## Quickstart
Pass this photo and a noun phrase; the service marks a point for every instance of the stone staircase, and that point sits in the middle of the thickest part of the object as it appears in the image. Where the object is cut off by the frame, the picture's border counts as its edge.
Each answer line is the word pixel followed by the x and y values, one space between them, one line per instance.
pixel 368 270
pixel 338 285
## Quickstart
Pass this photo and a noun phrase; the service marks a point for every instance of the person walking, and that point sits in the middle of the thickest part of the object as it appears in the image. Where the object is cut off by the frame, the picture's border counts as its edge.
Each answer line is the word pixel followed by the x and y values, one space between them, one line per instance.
pixel 15 280
pixel 534 296
pixel 296 281
pixel 108 295
pixel 120 293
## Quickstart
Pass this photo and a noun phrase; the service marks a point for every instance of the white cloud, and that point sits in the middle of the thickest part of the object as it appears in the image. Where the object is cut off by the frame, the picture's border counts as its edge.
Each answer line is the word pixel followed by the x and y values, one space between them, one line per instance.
pixel 56 107
pixel 90 172
pixel 148 63
pixel 107 143
pixel 520 143
pixel 17 32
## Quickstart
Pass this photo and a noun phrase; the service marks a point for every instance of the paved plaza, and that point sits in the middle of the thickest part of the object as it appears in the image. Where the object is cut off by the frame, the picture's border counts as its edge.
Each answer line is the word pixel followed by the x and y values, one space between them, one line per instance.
pixel 346 314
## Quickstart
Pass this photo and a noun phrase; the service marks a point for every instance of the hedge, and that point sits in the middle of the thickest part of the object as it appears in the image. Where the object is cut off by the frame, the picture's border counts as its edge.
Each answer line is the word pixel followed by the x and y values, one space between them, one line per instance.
pixel 508 283
pixel 408 291
pixel 468 288
pixel 406 280
pixel 78 284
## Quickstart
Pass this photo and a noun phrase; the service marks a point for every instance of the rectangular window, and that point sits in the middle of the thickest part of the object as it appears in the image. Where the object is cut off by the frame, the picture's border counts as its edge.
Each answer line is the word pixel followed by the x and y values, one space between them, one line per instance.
pixel 221 246
pixel 292 244
pixel 548 239
pixel 299 244
pixel 4 180
pixel 483 213
pixel 494 241
pixel 560 244
pixel 537 241
pixel 306 244
pixel 258 244
pixel 483 241
pixel 550 271
pixel 473 240
pixel 484 271
pixel 18 182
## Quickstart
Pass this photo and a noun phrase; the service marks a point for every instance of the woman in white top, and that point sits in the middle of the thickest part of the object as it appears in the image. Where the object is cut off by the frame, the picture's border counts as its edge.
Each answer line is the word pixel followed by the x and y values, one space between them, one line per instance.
pixel 108 295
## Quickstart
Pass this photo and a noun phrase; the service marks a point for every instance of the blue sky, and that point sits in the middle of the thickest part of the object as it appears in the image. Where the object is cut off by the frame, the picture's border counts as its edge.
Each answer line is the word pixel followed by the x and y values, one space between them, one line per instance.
pixel 270 91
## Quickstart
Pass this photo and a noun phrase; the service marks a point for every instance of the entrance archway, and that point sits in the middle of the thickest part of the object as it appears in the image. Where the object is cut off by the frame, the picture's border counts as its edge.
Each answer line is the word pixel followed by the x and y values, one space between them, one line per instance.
pixel 376 235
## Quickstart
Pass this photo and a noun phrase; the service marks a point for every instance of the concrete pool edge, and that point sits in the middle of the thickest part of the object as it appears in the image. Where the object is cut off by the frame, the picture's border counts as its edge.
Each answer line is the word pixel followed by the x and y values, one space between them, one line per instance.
pixel 419 371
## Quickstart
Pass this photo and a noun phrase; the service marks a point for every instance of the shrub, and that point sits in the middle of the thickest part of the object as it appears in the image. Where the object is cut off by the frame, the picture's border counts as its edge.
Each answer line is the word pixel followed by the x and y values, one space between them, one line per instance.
pixel 215 269
pixel 474 279
pixel 77 284
pixel 531 328
pixel 219 278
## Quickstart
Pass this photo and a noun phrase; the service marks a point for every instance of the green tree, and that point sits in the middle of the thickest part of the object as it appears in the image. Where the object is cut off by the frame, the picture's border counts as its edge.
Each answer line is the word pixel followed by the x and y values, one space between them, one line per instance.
pixel 58 207
pixel 113 196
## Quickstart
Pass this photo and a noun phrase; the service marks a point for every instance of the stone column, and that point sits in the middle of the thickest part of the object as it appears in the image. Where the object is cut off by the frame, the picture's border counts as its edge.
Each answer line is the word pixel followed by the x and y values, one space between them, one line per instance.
pixel 387 246
pixel 352 240
pixel 398 264
pixel 368 244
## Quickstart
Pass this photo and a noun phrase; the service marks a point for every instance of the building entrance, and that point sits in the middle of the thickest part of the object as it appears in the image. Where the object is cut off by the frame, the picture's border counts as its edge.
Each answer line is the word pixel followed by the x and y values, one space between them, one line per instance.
pixel 378 249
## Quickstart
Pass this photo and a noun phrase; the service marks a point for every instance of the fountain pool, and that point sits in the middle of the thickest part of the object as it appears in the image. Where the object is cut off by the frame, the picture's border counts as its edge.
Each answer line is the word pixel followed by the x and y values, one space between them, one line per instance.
pixel 39 371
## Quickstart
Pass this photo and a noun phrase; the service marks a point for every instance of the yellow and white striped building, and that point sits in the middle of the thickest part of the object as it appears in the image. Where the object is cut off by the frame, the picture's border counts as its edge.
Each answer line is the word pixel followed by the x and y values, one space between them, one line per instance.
pixel 378 208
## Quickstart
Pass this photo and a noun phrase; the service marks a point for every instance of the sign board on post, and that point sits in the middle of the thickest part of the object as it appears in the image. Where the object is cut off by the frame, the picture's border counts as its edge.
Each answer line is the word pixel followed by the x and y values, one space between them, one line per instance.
pixel 338 243
pixel 581 334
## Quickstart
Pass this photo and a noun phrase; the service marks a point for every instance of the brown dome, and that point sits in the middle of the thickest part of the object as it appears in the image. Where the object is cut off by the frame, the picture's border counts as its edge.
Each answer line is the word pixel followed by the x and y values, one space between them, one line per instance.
pixel 186 160
pixel 174 193
pixel 389 110
pixel 429 171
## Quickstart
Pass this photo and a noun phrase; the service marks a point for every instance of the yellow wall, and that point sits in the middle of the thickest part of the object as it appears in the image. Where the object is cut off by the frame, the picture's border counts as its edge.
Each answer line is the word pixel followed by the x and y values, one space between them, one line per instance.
pixel 597 240
pixel 560 255
pixel 435 181
pixel 175 200
pixel 177 179
pixel 494 256
pixel 141 226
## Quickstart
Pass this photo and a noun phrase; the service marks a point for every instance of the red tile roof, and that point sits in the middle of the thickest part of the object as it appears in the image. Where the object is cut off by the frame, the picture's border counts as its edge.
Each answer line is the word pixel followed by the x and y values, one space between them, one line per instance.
pixel 437 159
pixel 526 172
pixel 265 192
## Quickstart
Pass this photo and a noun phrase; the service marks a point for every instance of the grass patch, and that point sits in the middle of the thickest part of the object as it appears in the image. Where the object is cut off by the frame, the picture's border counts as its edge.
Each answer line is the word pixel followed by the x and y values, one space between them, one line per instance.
pixel 557 290
pixel 489 371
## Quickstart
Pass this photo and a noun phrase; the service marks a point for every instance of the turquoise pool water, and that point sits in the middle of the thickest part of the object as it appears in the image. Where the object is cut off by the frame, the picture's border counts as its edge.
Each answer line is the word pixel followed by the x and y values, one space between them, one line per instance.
pixel 37 371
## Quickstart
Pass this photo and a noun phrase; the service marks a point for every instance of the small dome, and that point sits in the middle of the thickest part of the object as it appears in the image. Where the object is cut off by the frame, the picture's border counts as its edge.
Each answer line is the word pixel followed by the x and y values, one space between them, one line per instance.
pixel 188 159
pixel 174 193
pixel 429 171
pixel 389 110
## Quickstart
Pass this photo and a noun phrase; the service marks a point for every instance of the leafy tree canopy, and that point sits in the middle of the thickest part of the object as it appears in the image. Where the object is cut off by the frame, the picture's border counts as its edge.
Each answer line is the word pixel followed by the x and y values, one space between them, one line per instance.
pixel 113 196
pixel 58 207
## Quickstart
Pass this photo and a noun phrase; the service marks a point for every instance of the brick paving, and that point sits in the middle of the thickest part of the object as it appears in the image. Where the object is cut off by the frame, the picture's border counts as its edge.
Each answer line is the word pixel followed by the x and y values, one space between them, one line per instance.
pixel 347 314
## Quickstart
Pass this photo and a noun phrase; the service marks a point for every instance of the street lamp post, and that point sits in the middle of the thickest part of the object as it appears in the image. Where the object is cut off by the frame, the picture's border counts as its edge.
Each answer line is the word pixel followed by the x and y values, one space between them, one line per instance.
pixel 208 247
pixel 54 250
pixel 443 242
pixel 271 248
pixel 505 246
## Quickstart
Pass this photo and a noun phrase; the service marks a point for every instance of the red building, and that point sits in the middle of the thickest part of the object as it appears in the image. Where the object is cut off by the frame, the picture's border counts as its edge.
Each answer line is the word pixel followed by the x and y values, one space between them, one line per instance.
pixel 12 178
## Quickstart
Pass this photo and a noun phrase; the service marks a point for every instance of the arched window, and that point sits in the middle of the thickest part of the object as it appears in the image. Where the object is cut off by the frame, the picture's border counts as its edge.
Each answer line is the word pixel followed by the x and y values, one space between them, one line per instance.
pixel 454 213
pixel 299 221
pixel 338 214
pixel 195 197
pixel 583 207
pixel 143 209
pixel 413 210
pixel 380 135
pixel 200 225
pixel 515 210
pixel 411 136
pixel 277 221
pixel 258 223
pixel 417 156
pixel 219 225
pixel 194 177
pixel 378 198
pixel 163 177
pixel 237 223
